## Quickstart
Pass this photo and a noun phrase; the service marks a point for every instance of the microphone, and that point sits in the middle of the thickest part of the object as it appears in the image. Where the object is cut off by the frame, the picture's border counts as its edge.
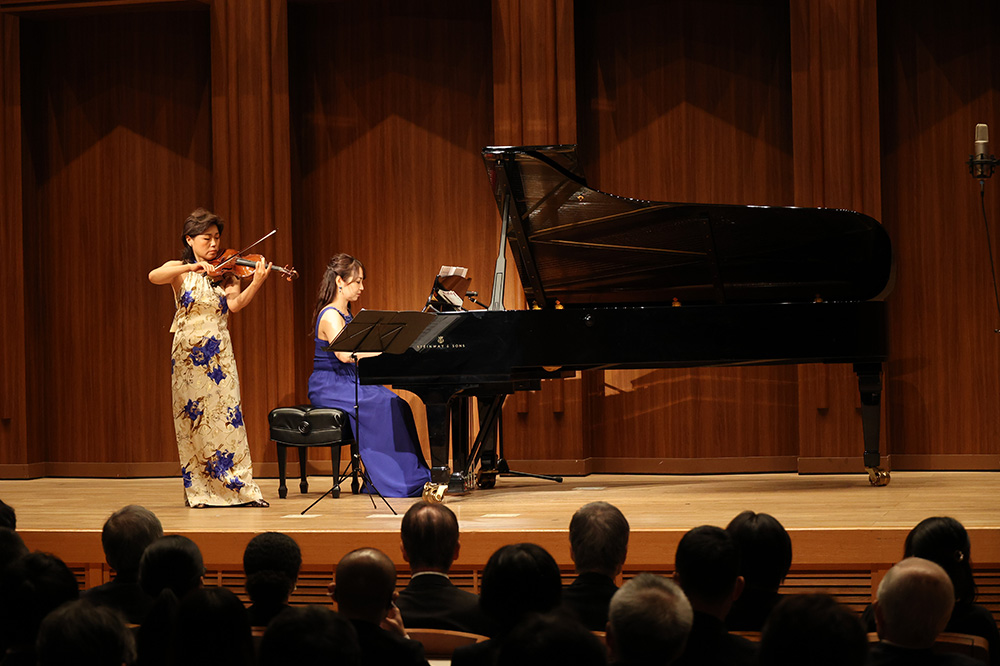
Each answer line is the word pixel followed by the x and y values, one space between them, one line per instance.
pixel 981 163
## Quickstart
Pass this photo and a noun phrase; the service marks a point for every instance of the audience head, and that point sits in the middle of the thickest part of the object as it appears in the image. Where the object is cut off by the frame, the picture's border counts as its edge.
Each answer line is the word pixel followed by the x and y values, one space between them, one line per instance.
pixel 8 518
pixel 598 539
pixel 84 635
pixel 31 588
pixel 271 562
pixel 309 636
pixel 813 629
pixel 552 638
pixel 126 534
pixel 11 547
pixel 913 603
pixel 945 542
pixel 707 567
pixel 648 621
pixel 429 537
pixel 519 579
pixel 203 617
pixel 365 585
pixel 765 549
pixel 172 563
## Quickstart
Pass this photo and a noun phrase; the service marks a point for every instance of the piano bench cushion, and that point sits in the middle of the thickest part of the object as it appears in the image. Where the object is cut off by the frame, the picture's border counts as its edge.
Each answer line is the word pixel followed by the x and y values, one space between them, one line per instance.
pixel 306 425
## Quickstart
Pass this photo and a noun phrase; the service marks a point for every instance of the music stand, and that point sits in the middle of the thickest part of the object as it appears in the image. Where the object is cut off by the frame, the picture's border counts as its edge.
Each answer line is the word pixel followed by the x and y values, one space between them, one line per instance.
pixel 374 331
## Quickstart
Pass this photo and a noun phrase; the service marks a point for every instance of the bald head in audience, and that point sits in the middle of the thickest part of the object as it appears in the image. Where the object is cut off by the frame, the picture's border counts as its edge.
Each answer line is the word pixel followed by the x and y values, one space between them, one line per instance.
pixel 914 603
pixel 365 584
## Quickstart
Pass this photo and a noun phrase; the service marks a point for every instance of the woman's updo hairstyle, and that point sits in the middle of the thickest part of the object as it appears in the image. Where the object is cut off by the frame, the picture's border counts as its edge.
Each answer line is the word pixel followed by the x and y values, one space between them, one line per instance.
pixel 196 223
pixel 340 265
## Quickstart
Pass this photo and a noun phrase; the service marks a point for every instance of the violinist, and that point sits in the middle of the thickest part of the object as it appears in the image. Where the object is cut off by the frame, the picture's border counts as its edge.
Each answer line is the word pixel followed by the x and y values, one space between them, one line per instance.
pixel 205 387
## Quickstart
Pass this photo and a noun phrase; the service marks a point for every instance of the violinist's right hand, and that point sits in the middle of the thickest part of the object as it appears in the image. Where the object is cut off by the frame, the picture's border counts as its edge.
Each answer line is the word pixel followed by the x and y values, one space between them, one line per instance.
pixel 201 267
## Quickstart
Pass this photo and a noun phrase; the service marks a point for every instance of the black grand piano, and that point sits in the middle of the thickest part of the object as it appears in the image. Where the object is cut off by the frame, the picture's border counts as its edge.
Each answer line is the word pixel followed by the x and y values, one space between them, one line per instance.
pixel 614 282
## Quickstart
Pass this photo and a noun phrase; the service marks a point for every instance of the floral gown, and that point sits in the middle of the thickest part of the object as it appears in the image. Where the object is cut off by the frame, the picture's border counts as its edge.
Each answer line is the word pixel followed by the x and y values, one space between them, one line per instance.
pixel 211 438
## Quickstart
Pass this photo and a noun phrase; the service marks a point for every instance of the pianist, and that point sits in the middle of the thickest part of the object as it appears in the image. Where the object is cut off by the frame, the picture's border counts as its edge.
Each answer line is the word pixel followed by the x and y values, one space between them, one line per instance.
pixel 386 434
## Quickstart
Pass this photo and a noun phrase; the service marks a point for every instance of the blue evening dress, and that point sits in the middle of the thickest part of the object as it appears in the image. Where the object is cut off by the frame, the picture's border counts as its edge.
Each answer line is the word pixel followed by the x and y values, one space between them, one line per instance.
pixel 387 436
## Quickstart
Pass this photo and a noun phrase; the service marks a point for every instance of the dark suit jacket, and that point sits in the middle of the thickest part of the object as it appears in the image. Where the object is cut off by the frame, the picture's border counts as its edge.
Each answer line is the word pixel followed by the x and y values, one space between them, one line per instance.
pixel 431 601
pixel 385 648
pixel 477 654
pixel 588 598
pixel 709 644
pixel 124 595
pixel 885 654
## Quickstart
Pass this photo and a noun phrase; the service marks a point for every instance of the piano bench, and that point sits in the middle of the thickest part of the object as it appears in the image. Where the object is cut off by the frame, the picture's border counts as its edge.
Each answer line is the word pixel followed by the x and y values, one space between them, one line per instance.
pixel 305 426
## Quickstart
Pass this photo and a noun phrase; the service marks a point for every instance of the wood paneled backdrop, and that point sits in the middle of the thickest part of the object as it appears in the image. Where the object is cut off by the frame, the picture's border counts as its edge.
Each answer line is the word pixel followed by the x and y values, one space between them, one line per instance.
pixel 356 126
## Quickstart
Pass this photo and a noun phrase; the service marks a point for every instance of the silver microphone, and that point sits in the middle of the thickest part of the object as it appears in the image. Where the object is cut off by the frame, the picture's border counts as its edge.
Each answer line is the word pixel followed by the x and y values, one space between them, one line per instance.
pixel 981 163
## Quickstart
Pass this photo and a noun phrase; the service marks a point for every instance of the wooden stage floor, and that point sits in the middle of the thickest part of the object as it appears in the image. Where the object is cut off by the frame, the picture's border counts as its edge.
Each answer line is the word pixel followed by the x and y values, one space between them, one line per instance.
pixel 845 533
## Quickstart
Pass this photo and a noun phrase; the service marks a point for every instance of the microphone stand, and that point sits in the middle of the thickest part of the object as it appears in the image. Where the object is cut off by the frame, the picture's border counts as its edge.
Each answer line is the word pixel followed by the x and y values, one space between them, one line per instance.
pixel 981 166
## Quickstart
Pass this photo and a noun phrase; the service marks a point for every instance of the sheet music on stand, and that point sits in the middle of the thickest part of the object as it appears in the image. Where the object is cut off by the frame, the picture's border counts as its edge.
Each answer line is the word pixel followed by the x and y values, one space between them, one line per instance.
pixel 450 287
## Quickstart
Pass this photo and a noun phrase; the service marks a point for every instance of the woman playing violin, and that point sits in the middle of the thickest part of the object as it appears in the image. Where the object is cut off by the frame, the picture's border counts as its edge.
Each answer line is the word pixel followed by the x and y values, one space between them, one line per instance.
pixel 208 421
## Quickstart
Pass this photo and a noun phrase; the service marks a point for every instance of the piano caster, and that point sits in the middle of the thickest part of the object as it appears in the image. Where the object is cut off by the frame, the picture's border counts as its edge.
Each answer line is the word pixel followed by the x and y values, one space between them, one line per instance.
pixel 458 484
pixel 434 492
pixel 486 479
pixel 878 476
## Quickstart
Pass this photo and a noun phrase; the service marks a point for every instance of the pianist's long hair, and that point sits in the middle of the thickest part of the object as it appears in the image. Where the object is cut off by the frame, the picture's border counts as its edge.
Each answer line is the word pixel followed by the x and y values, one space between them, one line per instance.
pixel 347 268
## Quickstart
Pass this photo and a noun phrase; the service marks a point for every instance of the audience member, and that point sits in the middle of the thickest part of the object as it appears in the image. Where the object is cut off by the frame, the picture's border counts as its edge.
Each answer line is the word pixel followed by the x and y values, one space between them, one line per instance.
pixel 649 620
pixel 518 580
pixel 765 558
pixel 429 542
pixel 945 542
pixel 812 629
pixel 170 568
pixel 598 540
pixel 125 536
pixel 912 606
pixel 552 638
pixel 8 518
pixel 11 547
pixel 707 567
pixel 364 590
pixel 271 562
pixel 309 636
pixel 31 588
pixel 203 617
pixel 80 634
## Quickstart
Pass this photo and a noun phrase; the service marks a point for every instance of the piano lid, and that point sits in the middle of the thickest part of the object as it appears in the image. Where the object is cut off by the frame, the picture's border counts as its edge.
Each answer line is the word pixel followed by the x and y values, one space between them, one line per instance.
pixel 581 246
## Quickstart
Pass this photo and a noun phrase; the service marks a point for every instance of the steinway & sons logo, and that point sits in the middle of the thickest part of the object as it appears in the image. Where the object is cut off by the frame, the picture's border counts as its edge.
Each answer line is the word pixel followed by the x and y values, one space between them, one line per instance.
pixel 440 343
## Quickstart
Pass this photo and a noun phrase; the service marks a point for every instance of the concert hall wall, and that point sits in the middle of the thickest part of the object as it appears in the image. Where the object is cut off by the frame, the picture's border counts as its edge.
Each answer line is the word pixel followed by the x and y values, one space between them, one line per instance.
pixel 357 126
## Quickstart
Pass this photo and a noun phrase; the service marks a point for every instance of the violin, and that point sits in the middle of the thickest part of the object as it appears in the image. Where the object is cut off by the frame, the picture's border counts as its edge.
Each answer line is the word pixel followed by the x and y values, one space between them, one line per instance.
pixel 232 262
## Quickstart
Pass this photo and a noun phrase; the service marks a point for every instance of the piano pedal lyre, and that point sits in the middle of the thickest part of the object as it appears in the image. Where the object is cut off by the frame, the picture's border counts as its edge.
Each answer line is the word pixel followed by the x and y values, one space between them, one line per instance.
pixel 434 492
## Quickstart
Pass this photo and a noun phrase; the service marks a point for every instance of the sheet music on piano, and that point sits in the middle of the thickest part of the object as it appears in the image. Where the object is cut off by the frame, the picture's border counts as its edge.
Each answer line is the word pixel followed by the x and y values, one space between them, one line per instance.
pixel 450 287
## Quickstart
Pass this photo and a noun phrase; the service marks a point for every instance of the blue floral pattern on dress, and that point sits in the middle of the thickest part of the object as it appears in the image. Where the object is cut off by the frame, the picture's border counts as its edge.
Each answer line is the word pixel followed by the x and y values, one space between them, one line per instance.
pixel 234 483
pixel 223 305
pixel 187 298
pixel 217 375
pixel 186 475
pixel 206 352
pixel 191 410
pixel 235 417
pixel 220 463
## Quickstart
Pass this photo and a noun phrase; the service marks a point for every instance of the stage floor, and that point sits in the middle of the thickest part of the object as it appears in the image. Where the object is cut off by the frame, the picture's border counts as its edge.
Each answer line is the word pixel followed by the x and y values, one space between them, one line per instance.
pixel 845 533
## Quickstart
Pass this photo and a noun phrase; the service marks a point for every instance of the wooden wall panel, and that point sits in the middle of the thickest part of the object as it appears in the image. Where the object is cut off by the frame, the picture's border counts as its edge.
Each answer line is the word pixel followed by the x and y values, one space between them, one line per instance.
pixel 836 139
pixel 117 122
pixel 391 104
pixel 689 101
pixel 14 450
pixel 252 189
pixel 937 80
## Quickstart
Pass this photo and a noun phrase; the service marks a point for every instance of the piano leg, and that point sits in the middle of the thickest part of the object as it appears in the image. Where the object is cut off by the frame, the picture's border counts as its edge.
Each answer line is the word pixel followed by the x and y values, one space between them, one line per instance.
pixel 440 410
pixel 870 386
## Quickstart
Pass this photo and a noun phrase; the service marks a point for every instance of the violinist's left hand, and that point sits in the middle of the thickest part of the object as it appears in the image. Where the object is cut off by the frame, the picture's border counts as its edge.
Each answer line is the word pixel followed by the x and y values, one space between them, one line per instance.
pixel 261 272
